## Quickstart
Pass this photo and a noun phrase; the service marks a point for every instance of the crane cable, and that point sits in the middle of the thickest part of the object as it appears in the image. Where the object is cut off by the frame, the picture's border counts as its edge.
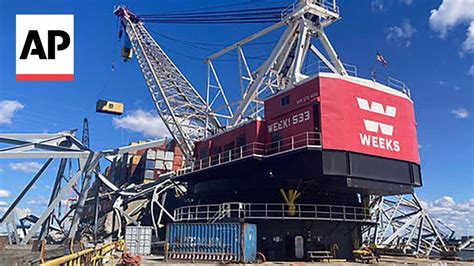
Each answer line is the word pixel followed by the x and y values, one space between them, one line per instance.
pixel 235 16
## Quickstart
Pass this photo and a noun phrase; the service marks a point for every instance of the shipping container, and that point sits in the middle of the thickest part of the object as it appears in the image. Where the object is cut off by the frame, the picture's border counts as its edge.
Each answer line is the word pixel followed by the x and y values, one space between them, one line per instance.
pixel 168 165
pixel 150 164
pixel 138 240
pixel 147 181
pixel 149 174
pixel 135 159
pixel 222 242
pixel 159 164
pixel 109 107
pixel 160 154
pixel 169 155
pixel 178 160
pixel 150 154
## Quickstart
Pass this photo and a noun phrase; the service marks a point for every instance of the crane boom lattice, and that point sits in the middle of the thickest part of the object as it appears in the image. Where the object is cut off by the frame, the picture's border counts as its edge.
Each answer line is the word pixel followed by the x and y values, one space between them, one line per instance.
pixel 182 109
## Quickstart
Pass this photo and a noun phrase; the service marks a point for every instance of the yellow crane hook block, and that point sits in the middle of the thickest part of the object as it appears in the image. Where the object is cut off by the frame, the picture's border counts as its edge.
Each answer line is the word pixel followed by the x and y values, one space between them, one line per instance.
pixel 126 53
pixel 109 107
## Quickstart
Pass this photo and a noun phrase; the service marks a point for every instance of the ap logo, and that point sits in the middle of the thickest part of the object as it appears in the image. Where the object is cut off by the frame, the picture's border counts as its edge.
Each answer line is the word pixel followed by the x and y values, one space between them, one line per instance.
pixel 44 47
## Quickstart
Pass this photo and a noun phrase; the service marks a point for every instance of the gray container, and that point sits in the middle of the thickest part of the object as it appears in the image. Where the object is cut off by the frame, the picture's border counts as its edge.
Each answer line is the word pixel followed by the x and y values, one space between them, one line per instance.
pixel 220 242
pixel 160 155
pixel 149 174
pixel 138 240
pixel 150 154
pixel 169 156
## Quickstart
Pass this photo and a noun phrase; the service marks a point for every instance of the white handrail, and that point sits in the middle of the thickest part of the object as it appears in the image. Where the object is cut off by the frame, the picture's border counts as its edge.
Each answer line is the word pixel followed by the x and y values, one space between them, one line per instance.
pixel 274 211
pixel 302 140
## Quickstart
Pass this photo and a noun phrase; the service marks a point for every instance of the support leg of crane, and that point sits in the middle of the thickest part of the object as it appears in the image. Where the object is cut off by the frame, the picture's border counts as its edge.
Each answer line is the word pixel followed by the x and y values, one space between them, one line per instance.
pixel 332 53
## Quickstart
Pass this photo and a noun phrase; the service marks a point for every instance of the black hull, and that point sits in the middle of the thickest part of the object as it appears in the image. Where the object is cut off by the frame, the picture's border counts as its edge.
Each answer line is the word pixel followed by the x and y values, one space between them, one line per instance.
pixel 316 173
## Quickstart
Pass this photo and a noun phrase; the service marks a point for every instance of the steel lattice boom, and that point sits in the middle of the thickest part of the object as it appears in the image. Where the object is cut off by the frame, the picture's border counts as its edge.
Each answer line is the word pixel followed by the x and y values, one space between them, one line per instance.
pixel 180 106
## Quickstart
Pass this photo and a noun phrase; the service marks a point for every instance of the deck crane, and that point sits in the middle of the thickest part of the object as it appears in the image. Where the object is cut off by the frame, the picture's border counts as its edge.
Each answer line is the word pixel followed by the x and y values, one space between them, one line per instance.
pixel 183 111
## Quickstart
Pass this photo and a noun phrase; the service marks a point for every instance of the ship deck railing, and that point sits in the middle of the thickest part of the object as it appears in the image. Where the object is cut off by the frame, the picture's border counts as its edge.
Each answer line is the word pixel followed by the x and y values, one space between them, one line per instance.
pixel 320 67
pixel 256 150
pixel 273 211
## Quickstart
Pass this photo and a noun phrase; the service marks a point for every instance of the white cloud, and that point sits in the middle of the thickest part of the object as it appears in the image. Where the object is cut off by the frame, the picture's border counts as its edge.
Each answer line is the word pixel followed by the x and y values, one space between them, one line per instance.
pixel 450 13
pixel 468 44
pixel 401 34
pixel 458 216
pixel 5 193
pixel 40 201
pixel 8 109
pixel 461 113
pixel 377 5
pixel 147 123
pixel 470 72
pixel 22 212
pixel 26 167
pixel 3 203
pixel 407 2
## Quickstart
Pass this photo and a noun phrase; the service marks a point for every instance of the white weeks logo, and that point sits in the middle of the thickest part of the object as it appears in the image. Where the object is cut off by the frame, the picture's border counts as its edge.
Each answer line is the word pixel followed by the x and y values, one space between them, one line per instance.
pixel 44 47
pixel 385 143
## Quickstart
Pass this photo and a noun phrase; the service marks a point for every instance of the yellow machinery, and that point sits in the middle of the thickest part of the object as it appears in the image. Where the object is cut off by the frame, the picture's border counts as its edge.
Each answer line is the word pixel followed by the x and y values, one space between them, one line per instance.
pixel 366 254
pixel 109 107
pixel 126 53
pixel 90 256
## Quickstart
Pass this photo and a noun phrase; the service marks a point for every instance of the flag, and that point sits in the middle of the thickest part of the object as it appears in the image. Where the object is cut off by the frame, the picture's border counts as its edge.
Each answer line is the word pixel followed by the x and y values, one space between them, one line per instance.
pixel 381 59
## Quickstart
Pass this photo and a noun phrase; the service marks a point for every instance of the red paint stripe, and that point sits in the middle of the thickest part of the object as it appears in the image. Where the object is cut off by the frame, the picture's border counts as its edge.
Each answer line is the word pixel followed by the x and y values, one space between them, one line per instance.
pixel 44 77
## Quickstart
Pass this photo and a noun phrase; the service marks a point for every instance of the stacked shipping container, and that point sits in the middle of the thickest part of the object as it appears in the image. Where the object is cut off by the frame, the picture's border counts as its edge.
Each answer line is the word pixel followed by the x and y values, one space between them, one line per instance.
pixel 147 165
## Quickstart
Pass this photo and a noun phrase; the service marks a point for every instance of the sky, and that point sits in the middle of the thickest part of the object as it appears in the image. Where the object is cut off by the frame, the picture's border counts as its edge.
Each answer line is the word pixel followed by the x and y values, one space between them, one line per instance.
pixel 429 45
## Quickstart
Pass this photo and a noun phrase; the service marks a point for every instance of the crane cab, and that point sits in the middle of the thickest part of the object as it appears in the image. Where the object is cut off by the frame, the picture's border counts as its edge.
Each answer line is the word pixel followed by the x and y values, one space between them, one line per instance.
pixel 109 107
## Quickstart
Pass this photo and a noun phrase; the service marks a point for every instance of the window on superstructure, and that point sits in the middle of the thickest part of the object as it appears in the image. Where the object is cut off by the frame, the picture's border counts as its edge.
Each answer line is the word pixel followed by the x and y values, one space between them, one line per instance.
pixel 316 117
pixel 241 140
pixel 203 151
pixel 285 100
pixel 229 146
